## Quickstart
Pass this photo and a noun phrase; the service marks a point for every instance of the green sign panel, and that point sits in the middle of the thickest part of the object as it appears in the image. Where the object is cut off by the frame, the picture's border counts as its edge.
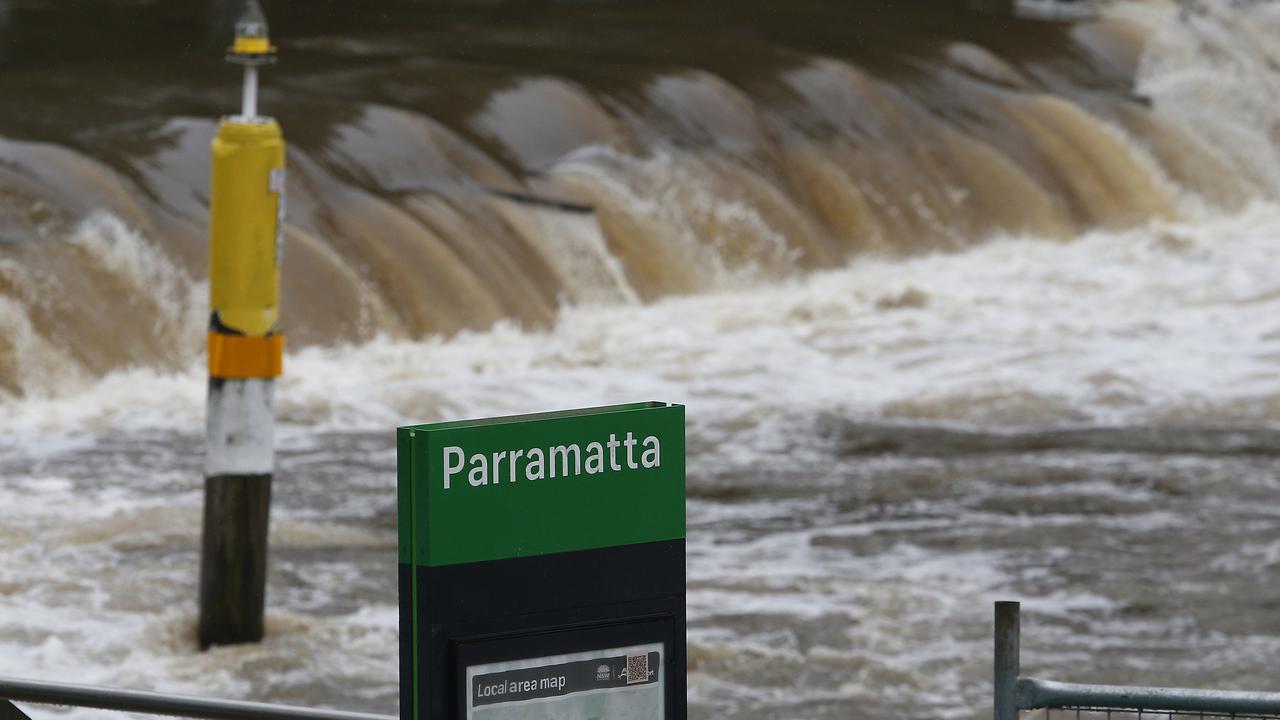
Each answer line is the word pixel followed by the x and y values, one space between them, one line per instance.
pixel 531 485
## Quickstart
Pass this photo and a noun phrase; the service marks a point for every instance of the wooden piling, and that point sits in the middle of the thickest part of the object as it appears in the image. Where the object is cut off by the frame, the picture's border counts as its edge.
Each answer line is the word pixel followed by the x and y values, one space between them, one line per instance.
pixel 233 566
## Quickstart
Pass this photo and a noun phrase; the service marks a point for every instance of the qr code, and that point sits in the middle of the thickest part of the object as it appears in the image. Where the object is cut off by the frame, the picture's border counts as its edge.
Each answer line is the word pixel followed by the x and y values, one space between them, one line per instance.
pixel 637 668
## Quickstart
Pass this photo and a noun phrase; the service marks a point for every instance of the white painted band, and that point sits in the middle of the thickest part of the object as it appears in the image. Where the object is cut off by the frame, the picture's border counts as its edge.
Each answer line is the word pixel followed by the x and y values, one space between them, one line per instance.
pixel 240 428
pixel 249 99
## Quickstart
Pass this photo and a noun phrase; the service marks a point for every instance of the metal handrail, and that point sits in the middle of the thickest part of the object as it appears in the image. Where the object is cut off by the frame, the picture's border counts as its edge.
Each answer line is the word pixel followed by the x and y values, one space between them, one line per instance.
pixel 1014 692
pixel 1033 694
pixel 50 693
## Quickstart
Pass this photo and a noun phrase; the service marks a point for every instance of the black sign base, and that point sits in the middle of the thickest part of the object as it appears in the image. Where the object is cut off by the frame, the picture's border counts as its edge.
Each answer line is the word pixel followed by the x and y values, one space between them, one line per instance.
pixel 502 610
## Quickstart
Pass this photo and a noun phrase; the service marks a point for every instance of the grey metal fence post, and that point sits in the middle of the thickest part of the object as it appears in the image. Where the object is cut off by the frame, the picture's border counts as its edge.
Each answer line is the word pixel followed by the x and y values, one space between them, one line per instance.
pixel 1007 663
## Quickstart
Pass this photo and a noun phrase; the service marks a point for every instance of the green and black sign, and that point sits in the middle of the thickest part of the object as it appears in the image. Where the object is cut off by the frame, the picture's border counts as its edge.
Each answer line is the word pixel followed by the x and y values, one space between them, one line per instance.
pixel 542 566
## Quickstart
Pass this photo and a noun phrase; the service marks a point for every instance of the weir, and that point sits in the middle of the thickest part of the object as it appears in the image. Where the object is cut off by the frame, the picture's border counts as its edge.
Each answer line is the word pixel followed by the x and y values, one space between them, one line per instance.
pixel 805 151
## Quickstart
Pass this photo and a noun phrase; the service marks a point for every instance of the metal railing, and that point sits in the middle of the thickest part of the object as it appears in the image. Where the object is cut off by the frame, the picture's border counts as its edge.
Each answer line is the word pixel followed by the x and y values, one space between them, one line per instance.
pixel 88 696
pixel 1014 693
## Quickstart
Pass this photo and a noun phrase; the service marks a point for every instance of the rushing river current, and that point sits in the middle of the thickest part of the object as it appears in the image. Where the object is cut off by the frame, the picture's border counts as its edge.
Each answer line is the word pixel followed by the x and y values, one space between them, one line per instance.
pixel 966 301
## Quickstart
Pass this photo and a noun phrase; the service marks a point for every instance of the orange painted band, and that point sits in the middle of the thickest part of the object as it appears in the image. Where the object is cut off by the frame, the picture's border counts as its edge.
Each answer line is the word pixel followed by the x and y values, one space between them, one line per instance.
pixel 235 357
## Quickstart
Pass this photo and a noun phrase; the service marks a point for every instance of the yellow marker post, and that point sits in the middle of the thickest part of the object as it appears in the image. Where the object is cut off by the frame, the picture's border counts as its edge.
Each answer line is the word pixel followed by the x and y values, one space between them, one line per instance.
pixel 246 351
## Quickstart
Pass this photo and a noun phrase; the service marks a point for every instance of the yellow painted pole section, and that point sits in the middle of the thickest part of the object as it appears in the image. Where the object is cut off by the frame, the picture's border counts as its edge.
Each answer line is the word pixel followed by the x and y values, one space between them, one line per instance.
pixel 245 232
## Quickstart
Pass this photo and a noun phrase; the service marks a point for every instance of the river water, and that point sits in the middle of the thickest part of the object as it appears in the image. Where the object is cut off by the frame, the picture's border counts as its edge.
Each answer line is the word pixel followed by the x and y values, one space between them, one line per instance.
pixel 968 302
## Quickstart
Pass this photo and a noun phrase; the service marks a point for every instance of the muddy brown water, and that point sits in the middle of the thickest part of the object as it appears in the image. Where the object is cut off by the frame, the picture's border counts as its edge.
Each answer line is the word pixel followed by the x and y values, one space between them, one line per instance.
pixel 967 301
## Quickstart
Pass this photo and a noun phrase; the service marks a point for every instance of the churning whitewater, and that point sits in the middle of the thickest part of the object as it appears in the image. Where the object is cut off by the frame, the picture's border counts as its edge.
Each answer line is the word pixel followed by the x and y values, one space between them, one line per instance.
pixel 925 365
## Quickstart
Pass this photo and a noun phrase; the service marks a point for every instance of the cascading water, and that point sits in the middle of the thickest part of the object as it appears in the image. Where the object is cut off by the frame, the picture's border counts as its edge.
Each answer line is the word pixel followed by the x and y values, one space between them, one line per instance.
pixel 702 172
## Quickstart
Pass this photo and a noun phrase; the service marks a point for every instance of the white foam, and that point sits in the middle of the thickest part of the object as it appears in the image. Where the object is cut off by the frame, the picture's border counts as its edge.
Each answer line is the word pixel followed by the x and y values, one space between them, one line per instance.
pixel 1170 323
pixel 1210 69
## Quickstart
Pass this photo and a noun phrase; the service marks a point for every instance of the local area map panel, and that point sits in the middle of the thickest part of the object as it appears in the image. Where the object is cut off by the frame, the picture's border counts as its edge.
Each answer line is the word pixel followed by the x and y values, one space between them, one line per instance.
pixel 621 683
